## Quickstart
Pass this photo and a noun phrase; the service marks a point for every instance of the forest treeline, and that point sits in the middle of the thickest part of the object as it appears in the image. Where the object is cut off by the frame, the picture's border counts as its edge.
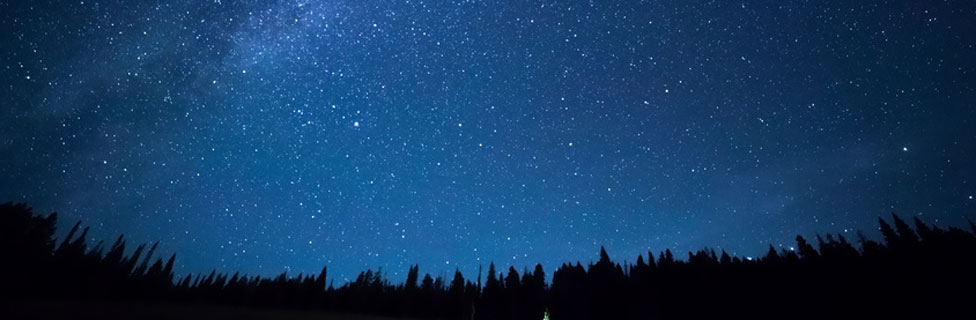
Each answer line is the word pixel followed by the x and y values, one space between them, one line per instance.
pixel 923 270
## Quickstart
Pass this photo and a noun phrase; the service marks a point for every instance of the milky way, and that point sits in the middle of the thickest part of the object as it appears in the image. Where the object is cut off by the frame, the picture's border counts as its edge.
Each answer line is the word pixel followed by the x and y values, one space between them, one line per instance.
pixel 269 136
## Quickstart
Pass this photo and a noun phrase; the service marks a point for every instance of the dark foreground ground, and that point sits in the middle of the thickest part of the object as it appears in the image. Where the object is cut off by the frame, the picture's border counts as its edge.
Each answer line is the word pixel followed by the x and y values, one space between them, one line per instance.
pixel 63 309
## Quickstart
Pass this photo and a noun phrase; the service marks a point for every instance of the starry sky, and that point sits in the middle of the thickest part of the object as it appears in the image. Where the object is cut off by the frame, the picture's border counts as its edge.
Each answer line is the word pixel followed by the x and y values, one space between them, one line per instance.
pixel 274 135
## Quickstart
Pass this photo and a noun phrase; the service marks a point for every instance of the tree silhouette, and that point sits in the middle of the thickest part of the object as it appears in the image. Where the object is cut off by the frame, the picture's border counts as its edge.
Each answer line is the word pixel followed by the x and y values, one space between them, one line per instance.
pixel 916 270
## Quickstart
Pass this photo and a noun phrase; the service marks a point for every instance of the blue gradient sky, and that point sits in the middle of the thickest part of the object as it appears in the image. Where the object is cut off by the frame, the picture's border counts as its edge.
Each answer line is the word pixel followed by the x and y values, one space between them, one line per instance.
pixel 265 136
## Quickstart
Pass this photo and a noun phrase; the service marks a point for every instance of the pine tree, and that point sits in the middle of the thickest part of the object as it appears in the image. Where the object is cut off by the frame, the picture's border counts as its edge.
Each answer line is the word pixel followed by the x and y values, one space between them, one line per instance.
pixel 725 259
pixel 906 235
pixel 491 283
pixel 427 285
pixel 512 282
pixel 924 232
pixel 411 283
pixel 807 252
pixel 320 281
pixel 457 284
pixel 604 257
pixel 771 255
pixel 890 237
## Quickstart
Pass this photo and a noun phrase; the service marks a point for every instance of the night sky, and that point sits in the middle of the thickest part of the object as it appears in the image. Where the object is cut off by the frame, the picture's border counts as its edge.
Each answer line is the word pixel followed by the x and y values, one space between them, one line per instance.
pixel 265 136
